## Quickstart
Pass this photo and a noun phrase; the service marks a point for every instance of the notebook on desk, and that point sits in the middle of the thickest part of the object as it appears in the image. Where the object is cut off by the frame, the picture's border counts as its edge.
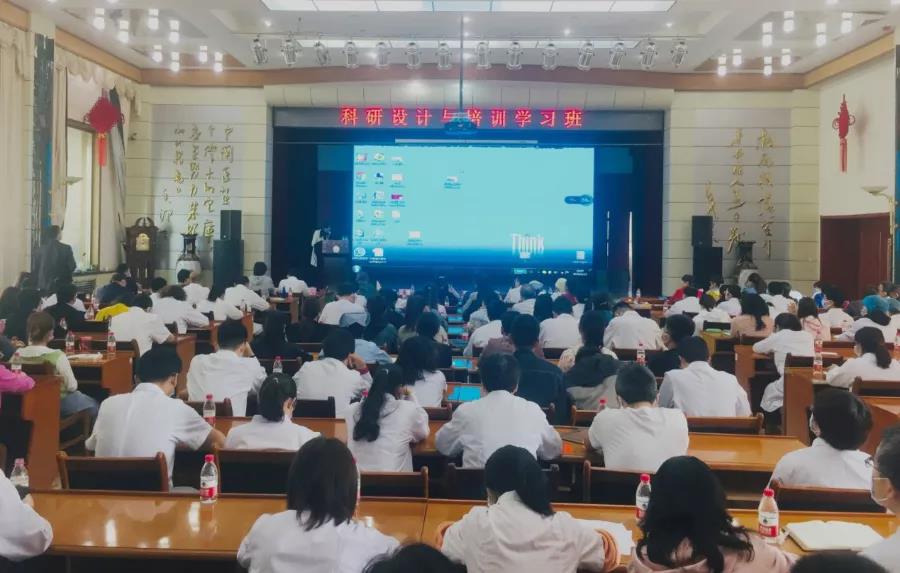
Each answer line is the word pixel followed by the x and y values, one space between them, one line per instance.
pixel 622 535
pixel 832 535
pixel 464 394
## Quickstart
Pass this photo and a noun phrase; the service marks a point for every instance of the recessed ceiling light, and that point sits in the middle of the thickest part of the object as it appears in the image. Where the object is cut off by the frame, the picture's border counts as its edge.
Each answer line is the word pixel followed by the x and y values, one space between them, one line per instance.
pixel 580 6
pixel 722 68
pixel 99 20
pixel 521 5
pixel 153 18
pixel 567 32
pixel 642 5
pixel 267 23
pixel 821 34
pixel 123 35
pixel 217 64
pixel 404 6
pixel 462 5
pixel 346 5
pixel 174 31
pixel 669 24
pixel 767 65
pixel 290 5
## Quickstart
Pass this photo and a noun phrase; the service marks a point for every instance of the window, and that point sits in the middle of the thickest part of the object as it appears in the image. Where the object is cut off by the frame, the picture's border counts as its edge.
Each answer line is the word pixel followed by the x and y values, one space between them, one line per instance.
pixel 82 197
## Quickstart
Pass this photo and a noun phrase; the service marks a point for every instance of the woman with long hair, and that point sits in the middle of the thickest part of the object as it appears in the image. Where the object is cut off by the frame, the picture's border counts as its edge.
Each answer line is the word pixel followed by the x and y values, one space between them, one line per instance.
pixel 415 308
pixel 755 319
pixel 875 316
pixel 873 362
pixel 308 329
pixel 215 304
pixel 273 341
pixel 385 423
pixel 418 360
pixel 273 428
pixel 755 284
pixel 519 530
pixel 687 528
pixel 9 301
pixel 709 313
pixel 380 331
pixel 591 326
pixel 812 321
pixel 543 307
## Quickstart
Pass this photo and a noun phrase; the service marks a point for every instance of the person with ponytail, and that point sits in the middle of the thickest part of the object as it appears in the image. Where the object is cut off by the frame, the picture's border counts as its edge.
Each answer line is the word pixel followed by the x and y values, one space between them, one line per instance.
pixel 519 530
pixel 418 360
pixel 272 428
pixel 385 423
pixel 687 528
pixel 874 316
pixel 874 361
pixel 754 319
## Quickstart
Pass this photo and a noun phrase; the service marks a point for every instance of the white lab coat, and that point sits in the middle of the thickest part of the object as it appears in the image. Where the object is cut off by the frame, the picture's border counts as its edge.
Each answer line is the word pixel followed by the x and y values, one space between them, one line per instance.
pixel 402 423
pixel 700 390
pixel 630 330
pixel 863 367
pixel 639 439
pixel 335 309
pixel 838 318
pixel 221 310
pixel 239 296
pixel 143 327
pixel 482 335
pixel 732 306
pixel 782 343
pixel 77 304
pixel 560 332
pixel 224 374
pixel 821 465
pixel 294 285
pixel 179 312
pixel 430 389
pixel 886 553
pixel 689 304
pixel 23 533
pixel 717 314
pixel 330 377
pixel 195 293
pixel 262 434
pixel 524 306
pixel 781 304
pixel 513 295
pixel 889 331
pixel 479 428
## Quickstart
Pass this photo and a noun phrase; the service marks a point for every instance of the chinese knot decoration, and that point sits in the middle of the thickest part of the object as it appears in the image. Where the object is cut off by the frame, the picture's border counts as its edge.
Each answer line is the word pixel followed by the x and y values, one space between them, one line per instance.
pixel 842 124
pixel 103 117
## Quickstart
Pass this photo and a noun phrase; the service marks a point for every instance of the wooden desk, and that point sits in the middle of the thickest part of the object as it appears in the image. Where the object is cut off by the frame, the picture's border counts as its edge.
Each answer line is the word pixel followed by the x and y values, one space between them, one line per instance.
pixel 747 363
pixel 210 334
pixel 885 413
pixel 40 406
pixel 110 371
pixel 328 427
pixel 293 304
pixel 186 348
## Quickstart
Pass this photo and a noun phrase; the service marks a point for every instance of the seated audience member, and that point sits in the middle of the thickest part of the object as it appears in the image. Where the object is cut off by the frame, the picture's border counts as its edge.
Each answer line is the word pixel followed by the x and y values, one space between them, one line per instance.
pixel 885 487
pixel 420 371
pixel 710 313
pixel 561 331
pixel 539 380
pixel 9 301
pixel 29 300
pixel 156 285
pixel 561 289
pixel 686 282
pixel 415 308
pixel 23 533
pixel 272 342
pixel 778 300
pixel 65 316
pixel 811 321
pixel 754 319
pixel 130 283
pixel 697 389
pixel 195 292
pixel 628 329
pixel 788 338
pixel 543 308
pixel 755 284
pixel 837 562
pixel 391 313
pixel 677 329
pixel 379 330
pixel 115 291
pixel 107 312
pixel 841 423
pixel 526 304
pixel 591 328
pixel 73 302
pixel 491 329
pixel 687 528
pixel 874 361
pixel 293 284
pixel 581 292
pixel 835 315
pixel 338 372
pixel 40 333
pixel 14 382
pixel 638 436
pixel 476 301
pixel 308 329
pixel 140 325
pixel 875 317
pixel 514 294
pixel 215 303
pixel 429 326
pixel 231 372
pixel 173 308
pixel 592 378
pixel 818 293
pixel 241 296
pixel 317 533
pixel 260 282
pixel 601 302
pixel 688 304
pixel 479 428
pixel 345 304
pixel 888 291
pixel 147 420
pixel 504 343
pixel 518 530
pixel 714 291
pixel 365 349
pixel 415 558
pixel 731 300
pixel 272 428
pixel 386 423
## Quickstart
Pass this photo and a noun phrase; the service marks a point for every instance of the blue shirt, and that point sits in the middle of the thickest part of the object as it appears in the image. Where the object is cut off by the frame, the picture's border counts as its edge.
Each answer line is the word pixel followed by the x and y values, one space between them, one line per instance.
pixel 371 353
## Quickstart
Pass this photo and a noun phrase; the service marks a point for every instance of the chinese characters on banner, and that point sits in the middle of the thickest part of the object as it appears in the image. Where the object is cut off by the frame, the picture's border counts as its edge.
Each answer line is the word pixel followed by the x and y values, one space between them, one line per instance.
pixel 766 183
pixel 495 118
pixel 201 177
pixel 737 189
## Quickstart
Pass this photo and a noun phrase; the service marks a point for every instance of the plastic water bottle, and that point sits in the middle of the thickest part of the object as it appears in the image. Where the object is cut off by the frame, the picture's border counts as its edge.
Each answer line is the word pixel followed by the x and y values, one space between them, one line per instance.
pixel 110 343
pixel 637 296
pixel 209 480
pixel 897 347
pixel 641 355
pixel 277 366
pixel 818 365
pixel 70 342
pixel 209 410
pixel 89 311
pixel 601 405
pixel 768 516
pixel 19 477
pixel 15 363
pixel 642 496
pixel 629 293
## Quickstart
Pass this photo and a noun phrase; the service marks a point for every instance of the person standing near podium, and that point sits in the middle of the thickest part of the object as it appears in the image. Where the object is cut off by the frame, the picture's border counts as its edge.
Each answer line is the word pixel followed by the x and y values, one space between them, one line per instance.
pixel 56 263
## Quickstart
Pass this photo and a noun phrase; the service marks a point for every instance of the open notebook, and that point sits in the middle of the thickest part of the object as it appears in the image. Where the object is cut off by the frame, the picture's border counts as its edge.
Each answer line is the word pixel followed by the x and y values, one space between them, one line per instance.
pixel 619 532
pixel 832 535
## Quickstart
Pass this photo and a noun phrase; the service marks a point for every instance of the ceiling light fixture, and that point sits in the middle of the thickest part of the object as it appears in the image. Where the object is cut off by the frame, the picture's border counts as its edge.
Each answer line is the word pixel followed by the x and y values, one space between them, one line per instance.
pixel 846 22
pixel 444 56
pixel 323 56
pixel 175 63
pixel 482 56
pixel 617 55
pixel 767 65
pixel 549 56
pixel 99 20
pixel 767 37
pixel 203 54
pixel 413 56
pixel 679 53
pixel 156 55
pixel 669 24
pixel 290 50
pixel 722 70
pixel 259 51
pixel 174 31
pixel 786 57
pixel 737 57
pixel 267 23
pixel 111 1
pixel 351 55
pixel 788 25
pixel 382 56
pixel 585 54
pixel 153 18
pixel 514 56
pixel 122 34
pixel 567 32
pixel 648 55
pixel 218 66
pixel 831 2
pixel 821 34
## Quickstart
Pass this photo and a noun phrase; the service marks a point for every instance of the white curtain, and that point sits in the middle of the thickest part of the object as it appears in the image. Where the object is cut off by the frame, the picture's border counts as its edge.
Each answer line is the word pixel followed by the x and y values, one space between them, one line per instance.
pixel 16 69
pixel 58 140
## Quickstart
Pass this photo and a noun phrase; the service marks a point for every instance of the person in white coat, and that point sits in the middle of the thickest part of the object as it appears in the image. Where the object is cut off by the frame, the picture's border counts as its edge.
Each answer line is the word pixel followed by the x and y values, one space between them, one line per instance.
pixel 173 308
pixel 873 319
pixel 697 389
pixel 338 372
pixel 519 530
pixel 23 533
pixel 711 313
pixel 527 295
pixel 514 294
pixel 873 361
pixel 345 304
pixel 420 371
pixel 690 304
pixel 788 338
pixel 561 331
pixel 272 428
pixel 628 329
pixel 885 488
pixel 194 290
pixel 317 532
pixel 240 296
pixel 140 325
pixel 479 428
pixel 841 423
pixel 386 423
pixel 731 300
pixel 493 328
pixel 215 303
pixel 835 315
pixel 293 284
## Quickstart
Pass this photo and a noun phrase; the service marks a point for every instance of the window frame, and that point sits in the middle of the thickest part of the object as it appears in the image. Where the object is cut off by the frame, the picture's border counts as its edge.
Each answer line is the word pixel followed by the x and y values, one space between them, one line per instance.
pixel 95 187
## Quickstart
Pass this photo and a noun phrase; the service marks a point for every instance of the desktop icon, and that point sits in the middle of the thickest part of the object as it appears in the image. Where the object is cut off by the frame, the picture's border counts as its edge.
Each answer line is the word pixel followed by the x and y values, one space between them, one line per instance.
pixel 360 176
pixel 397 160
pixel 359 233
pixel 378 156
pixel 377 252
pixel 378 196
pixel 452 179
pixel 359 252
pixel 379 178
pixel 415 234
pixel 378 214
pixel 395 214
pixel 397 177
pixel 579 255
pixel 378 233
pixel 361 157
pixel 397 197
pixel 360 214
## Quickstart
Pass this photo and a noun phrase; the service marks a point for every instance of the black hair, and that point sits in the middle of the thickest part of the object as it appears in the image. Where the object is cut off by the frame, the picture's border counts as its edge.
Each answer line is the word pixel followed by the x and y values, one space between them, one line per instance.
pixel 512 468
pixel 693 349
pixel 122 268
pixel 507 320
pixel 690 291
pixel 733 290
pixel 242 280
pixel 173 291
pixel 65 292
pixel 688 504
pixel 526 291
pixel 871 340
pixel 273 329
pixel 562 305
pixel 231 334
pixel 293 272
pixel 757 281
pixel 388 380
pixel 707 302
pixel 844 420
pixel 390 297
pixel 879 317
pixel 158 283
pixel 414 558
pixel 417 357
pixel 311 307
pixel 216 292
pixel 788 321
pixel 142 301
pixel 775 288
pixel 887 456
pixel 429 325
pixel 495 309
pixel 592 327
pixel 525 331
pixel 259 268
pixel 339 344
pixel 636 383
pixel 376 306
pixel 29 300
pixel 499 372
pixel 543 307
pixel 117 277
pixel 415 306
pixel 323 483
pixel 599 300
pixel 53 231
pixel 276 389
pixel 620 306
pixel 679 327
pixel 807 307
pixel 183 275
pixel 786 289
pixel 346 289
pixel 38 326
pixel 836 562
pixel 835 295
pixel 9 301
pixel 158 364
pixel 754 305
pixel 689 279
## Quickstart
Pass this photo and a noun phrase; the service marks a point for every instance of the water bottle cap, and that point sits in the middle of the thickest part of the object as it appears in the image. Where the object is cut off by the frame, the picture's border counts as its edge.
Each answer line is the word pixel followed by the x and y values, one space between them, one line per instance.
pixel 278 358
pixel 20 462
pixel 603 401
pixel 208 458
pixel 769 492
pixel 645 478
pixel 209 396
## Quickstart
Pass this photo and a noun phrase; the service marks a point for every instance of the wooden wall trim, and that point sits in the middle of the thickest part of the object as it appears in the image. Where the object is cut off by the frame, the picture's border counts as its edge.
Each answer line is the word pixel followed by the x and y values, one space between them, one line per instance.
pixel 13 15
pixel 90 52
pixel 864 54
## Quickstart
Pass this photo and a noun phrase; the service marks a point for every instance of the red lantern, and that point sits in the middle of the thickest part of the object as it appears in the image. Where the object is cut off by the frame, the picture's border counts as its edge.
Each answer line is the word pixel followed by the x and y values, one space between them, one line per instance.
pixel 842 124
pixel 103 117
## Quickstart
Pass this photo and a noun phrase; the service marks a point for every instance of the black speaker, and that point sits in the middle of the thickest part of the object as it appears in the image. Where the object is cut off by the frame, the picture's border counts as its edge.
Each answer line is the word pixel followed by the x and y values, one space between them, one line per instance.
pixel 707 264
pixel 230 225
pixel 701 231
pixel 228 260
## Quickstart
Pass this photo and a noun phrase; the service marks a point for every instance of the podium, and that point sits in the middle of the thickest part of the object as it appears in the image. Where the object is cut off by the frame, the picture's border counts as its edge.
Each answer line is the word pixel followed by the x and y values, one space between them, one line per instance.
pixel 335 261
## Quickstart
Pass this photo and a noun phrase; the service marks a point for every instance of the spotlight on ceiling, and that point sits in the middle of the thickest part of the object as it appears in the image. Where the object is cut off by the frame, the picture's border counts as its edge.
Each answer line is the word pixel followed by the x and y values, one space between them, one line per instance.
pixel 351 55
pixel 259 51
pixel 153 18
pixel 585 55
pixel 722 69
pixel 413 56
pixel 123 35
pixel 382 56
pixel 217 62
pixel 514 56
pixel 323 56
pixel 617 55
pixel 156 55
pixel 549 56
pixel 788 24
pixel 175 63
pixel 648 55
pixel 767 36
pixel 99 20
pixel 846 22
pixel 482 56
pixel 203 54
pixel 786 57
pixel 737 57
pixel 679 53
pixel 821 34
pixel 174 31
pixel 767 65
pixel 290 50
pixel 444 56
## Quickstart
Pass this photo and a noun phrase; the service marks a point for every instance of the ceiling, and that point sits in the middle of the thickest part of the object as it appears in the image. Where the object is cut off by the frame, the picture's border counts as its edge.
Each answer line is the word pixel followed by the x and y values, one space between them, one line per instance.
pixel 709 29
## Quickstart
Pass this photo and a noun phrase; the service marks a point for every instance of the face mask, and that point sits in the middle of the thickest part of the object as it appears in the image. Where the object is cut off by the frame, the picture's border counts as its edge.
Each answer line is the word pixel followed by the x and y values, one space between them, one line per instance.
pixel 879 483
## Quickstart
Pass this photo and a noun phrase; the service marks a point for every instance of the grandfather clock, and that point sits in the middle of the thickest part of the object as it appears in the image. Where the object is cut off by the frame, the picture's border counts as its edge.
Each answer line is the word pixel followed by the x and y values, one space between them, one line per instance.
pixel 140 249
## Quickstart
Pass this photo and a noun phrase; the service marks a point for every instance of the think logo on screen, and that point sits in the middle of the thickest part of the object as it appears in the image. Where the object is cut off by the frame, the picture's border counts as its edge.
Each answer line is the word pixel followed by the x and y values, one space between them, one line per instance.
pixel 527 245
